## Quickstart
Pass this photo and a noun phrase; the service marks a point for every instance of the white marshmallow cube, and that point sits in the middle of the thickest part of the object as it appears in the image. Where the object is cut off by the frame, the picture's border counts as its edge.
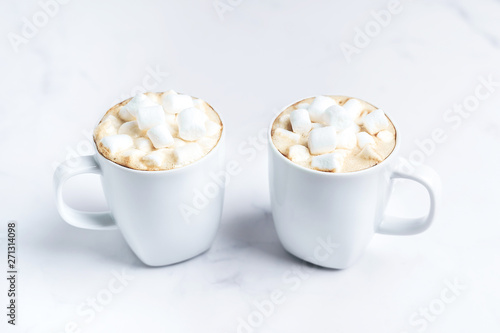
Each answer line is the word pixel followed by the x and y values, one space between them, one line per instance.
pixel 170 92
pixel 369 153
pixel 337 117
pixel 364 139
pixel 301 123
pixel 385 136
pixel 130 128
pixel 302 105
pixel 143 144
pixel 284 119
pixel 112 120
pixel 298 153
pixel 287 135
pixel 198 103
pixel 155 159
pixel 160 136
pixel 179 142
pixel 128 112
pixel 322 140
pixel 328 162
pixel 318 106
pixel 110 125
pixel 150 116
pixel 191 124
pixel 375 121
pixel 346 139
pixel 117 143
pixel 171 122
pixel 173 103
pixel 354 108
pixel 187 153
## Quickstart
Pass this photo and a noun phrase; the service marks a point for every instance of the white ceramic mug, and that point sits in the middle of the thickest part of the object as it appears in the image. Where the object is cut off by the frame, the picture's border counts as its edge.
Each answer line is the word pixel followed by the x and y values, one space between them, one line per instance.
pixel 155 210
pixel 328 219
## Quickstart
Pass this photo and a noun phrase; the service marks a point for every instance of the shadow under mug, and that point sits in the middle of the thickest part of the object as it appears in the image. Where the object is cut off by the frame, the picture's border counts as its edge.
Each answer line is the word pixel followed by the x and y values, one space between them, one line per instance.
pixel 328 219
pixel 158 212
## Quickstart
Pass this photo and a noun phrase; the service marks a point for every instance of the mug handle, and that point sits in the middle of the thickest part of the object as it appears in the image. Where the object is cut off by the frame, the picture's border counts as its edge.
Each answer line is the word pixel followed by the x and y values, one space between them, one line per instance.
pixel 395 225
pixel 78 218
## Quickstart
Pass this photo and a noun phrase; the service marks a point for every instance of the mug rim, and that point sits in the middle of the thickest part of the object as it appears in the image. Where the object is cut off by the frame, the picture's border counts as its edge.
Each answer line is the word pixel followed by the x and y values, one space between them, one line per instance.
pixel 326 173
pixel 216 147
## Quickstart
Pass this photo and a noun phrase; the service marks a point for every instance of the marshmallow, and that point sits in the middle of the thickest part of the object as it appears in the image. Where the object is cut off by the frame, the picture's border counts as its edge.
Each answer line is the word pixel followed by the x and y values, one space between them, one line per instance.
pixel 318 106
pixel 302 105
pixel 174 103
pixel 342 152
pixel 317 125
pixel 155 159
pixel 160 136
pixel 322 140
pixel 109 125
pixel 171 122
pixel 385 136
pixel 298 153
pixel 337 117
pixel 128 112
pixel 198 103
pixel 301 123
pixel 364 139
pixel 170 118
pixel 179 142
pixel 287 135
pixel 191 124
pixel 369 153
pixel 143 144
pixel 188 153
pixel 346 139
pixel 283 120
pixel 130 128
pixel 375 121
pixel 354 108
pixel 150 116
pixel 112 120
pixel 328 162
pixel 117 143
pixel 170 92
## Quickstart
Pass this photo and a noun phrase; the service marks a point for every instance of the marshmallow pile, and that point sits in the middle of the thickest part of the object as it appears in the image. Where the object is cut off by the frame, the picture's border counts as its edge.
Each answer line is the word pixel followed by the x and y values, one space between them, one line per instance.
pixel 158 131
pixel 324 133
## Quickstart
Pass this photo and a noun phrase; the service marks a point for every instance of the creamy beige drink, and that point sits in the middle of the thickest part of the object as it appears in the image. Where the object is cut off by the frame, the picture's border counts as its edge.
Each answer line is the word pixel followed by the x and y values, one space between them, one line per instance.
pixel 158 131
pixel 334 134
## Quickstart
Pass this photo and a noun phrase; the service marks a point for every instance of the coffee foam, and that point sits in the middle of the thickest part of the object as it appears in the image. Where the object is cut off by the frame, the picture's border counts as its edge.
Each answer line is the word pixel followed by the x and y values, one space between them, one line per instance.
pixel 143 155
pixel 354 157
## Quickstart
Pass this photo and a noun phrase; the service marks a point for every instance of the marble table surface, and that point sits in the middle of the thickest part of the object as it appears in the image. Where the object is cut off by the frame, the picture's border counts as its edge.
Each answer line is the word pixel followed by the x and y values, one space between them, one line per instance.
pixel 433 65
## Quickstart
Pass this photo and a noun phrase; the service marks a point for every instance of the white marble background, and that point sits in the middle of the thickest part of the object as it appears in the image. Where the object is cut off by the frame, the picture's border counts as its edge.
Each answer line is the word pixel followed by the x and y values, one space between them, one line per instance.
pixel 248 62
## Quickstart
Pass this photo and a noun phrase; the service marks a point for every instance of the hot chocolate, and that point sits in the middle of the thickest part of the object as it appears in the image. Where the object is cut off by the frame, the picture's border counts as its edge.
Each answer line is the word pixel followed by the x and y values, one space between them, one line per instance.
pixel 334 134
